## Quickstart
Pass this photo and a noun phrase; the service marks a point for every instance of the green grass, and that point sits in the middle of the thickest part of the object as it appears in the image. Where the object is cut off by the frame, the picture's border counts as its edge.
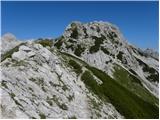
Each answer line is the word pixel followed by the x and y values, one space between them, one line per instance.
pixel 133 84
pixel 125 101
pixel 77 68
pixel 46 42
pixel 91 83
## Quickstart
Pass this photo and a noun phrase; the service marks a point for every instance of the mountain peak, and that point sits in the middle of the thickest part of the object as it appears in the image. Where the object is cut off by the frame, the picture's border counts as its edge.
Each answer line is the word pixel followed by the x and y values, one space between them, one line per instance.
pixel 9 37
pixel 78 30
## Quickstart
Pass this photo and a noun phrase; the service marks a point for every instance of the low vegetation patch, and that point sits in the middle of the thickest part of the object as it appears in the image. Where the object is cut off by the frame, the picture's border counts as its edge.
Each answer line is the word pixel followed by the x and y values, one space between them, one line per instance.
pixel 46 42
pixel 63 106
pixel 91 83
pixel 125 101
pixel 120 55
pixel 77 68
pixel 4 84
pixel 59 42
pixel 112 35
pixel 72 41
pixel 72 117
pixel 42 116
pixel 74 29
pixel 105 50
pixel 19 63
pixel 97 43
pixel 133 83
pixel 79 50
pixel 154 75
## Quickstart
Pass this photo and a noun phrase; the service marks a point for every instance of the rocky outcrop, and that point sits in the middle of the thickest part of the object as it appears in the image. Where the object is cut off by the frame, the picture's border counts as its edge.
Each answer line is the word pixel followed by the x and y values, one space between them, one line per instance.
pixel 88 72
pixel 99 43
pixel 8 41
pixel 36 83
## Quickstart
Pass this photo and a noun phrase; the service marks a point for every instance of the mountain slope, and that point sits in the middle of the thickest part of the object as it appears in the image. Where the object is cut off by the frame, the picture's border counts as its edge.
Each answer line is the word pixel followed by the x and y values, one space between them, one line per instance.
pixel 88 72
pixel 101 44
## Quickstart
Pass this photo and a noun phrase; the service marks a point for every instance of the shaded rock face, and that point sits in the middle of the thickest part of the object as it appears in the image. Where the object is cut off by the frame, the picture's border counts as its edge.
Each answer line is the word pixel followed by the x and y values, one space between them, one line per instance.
pixel 151 52
pixel 88 72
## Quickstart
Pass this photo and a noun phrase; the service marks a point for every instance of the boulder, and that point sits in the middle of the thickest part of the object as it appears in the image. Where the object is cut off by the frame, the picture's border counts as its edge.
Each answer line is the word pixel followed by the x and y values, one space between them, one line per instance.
pixel 24 48
pixel 20 55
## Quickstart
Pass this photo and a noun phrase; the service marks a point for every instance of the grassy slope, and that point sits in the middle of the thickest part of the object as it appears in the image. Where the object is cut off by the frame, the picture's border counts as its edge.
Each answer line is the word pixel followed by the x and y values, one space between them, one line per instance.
pixel 126 102
pixel 133 84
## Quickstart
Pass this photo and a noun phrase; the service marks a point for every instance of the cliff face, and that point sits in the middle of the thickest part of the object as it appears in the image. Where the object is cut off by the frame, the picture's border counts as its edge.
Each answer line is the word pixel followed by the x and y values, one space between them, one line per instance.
pixel 88 72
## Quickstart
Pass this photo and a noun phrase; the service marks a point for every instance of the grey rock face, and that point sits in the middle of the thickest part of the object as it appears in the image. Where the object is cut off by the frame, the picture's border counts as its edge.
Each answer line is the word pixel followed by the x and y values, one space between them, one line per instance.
pixel 99 42
pixel 38 84
pixel 46 82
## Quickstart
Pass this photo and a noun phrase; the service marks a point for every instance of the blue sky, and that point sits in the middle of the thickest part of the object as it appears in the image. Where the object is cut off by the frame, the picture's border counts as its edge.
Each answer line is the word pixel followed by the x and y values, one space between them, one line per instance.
pixel 138 21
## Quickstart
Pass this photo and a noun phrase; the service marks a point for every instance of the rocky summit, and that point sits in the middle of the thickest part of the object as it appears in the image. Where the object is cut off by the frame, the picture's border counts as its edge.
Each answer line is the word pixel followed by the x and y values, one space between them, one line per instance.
pixel 90 71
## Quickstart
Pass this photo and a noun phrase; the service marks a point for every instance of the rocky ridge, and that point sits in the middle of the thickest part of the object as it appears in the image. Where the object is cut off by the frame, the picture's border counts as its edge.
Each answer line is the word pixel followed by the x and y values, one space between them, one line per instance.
pixel 88 72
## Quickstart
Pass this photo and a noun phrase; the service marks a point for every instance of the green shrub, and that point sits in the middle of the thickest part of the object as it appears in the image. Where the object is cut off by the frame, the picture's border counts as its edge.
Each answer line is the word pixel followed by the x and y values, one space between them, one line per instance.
pixel 70 97
pixel 85 32
pixel 63 106
pixel 12 95
pixel 72 117
pixel 72 41
pixel 105 50
pixel 59 42
pixel 42 116
pixel 112 35
pixel 49 101
pixel 120 55
pixel 70 46
pixel 154 75
pixel 79 50
pixel 97 43
pixel 4 84
pixel 74 29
